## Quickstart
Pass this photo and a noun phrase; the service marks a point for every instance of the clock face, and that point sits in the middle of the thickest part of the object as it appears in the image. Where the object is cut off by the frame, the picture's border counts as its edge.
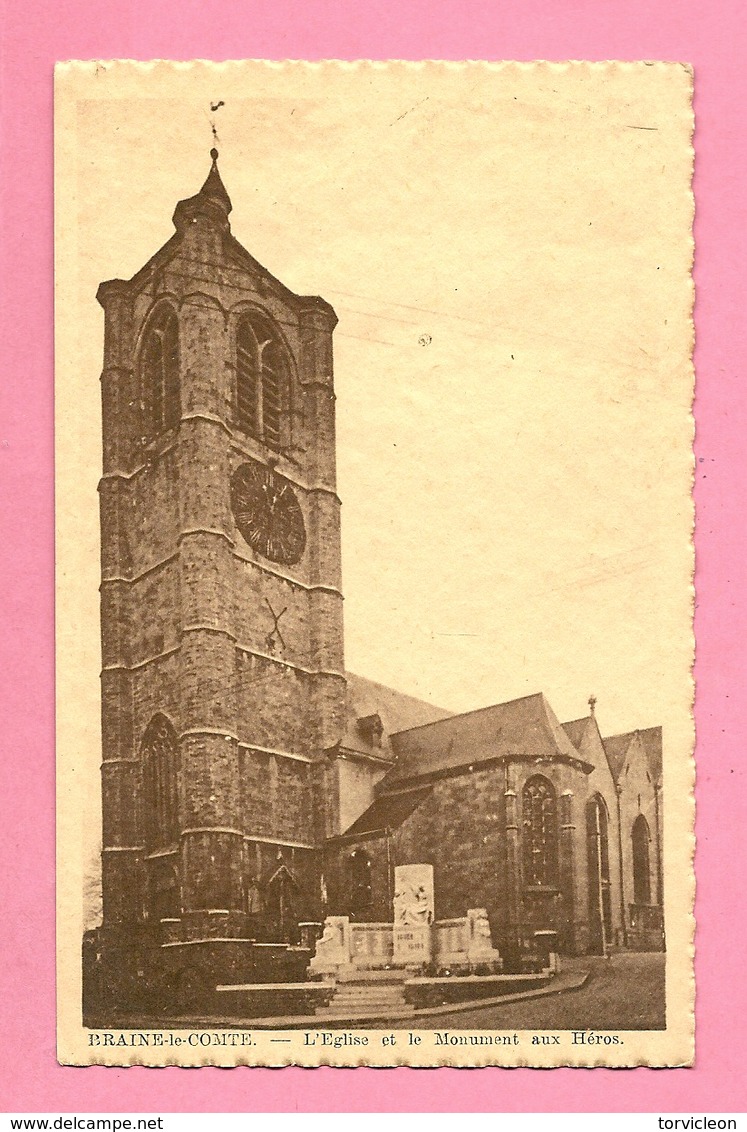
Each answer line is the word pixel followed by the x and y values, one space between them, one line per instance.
pixel 268 513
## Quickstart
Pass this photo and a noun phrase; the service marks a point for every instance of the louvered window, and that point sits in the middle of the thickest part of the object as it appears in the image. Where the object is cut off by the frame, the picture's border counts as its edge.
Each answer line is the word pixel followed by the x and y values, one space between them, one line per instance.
pixel 260 380
pixel 159 374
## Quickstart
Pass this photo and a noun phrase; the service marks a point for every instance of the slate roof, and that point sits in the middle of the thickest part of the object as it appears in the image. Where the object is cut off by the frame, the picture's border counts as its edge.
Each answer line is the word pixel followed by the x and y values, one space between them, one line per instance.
pixel 526 727
pixel 398 711
pixel 213 189
pixel 575 730
pixel 585 736
pixel 388 811
pixel 617 746
pixel 213 195
pixel 652 743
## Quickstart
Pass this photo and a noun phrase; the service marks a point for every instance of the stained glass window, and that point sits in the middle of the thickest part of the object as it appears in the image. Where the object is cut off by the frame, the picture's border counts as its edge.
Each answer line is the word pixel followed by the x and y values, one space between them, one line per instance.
pixel 540 830
pixel 641 862
pixel 598 876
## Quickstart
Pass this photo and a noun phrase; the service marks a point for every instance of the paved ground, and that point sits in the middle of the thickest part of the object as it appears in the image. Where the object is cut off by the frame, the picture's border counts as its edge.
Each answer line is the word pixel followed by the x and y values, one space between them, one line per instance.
pixel 625 992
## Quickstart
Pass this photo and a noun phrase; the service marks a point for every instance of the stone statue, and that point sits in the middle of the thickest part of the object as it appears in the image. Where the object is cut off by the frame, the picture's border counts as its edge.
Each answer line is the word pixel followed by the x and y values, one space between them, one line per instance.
pixel 480 941
pixel 481 936
pixel 330 940
pixel 333 946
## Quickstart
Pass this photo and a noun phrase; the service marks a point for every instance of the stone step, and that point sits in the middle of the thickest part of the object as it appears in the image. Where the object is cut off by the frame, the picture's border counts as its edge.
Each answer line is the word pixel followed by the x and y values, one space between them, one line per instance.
pixel 368 1000
pixel 392 975
pixel 372 1010
pixel 382 990
pixel 363 996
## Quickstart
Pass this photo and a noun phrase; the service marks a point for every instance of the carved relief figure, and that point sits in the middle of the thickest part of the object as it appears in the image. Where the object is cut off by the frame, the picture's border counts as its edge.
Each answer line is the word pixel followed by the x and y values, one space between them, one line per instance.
pixel 412 905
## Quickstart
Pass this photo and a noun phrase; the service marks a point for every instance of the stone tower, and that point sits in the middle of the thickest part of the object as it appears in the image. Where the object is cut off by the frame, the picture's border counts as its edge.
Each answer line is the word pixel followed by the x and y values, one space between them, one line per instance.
pixel 223 683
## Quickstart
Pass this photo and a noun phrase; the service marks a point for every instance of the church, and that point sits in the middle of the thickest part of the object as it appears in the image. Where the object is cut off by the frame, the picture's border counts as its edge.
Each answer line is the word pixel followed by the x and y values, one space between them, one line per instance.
pixel 251 785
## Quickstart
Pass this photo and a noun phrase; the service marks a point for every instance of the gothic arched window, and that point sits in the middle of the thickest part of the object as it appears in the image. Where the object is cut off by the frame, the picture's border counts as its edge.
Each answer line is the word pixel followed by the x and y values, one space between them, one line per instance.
pixel 641 862
pixel 260 379
pixel 160 753
pixel 540 831
pixel 598 875
pixel 597 836
pixel 361 892
pixel 159 373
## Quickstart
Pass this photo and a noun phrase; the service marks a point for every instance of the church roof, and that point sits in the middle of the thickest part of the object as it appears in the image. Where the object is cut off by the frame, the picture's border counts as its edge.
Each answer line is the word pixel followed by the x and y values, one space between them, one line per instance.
pixel 527 727
pixel 651 737
pixel 388 811
pixel 575 730
pixel 397 711
pixel 214 187
pixel 617 747
pixel 213 203
pixel 213 193
pixel 586 738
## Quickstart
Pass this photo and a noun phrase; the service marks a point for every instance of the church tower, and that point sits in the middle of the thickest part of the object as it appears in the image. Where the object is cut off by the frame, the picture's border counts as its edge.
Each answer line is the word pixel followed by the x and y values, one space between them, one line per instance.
pixel 223 687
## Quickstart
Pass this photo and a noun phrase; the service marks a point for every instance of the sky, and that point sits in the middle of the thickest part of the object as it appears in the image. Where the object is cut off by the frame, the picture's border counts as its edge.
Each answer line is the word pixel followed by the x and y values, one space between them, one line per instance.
pixel 508 252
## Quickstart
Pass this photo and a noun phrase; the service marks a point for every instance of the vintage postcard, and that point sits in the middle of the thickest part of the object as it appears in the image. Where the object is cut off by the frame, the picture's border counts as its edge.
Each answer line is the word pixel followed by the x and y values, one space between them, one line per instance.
pixel 418 336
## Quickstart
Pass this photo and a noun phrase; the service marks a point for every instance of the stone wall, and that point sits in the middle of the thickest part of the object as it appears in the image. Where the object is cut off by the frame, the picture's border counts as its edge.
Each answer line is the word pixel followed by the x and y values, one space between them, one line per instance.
pixel 470 829
pixel 458 830
pixel 638 797
pixel 186 628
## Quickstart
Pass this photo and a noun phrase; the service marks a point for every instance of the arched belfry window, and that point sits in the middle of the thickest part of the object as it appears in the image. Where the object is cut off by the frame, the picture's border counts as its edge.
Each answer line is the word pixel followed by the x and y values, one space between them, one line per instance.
pixel 540 831
pixel 261 379
pixel 160 755
pixel 641 861
pixel 159 373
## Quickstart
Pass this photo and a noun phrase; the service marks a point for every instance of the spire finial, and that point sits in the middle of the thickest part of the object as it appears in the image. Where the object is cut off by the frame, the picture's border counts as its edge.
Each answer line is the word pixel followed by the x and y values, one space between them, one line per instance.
pixel 592 704
pixel 212 198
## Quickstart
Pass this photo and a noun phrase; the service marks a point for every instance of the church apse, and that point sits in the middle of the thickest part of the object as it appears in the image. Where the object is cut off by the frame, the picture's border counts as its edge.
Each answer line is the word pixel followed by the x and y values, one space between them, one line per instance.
pixel 517 814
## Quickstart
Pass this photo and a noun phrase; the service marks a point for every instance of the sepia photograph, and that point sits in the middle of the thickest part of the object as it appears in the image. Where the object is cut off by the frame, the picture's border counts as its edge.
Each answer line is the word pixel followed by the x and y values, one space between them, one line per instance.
pixel 374 563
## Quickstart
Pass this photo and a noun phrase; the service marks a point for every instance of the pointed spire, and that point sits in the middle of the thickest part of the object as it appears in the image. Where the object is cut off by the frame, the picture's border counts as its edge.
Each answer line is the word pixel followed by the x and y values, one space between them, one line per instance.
pixel 212 199
pixel 214 187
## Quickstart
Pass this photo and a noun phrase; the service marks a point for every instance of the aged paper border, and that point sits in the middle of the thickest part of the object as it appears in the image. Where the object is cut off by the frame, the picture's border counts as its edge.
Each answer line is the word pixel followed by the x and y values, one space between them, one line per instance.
pixel 668 1048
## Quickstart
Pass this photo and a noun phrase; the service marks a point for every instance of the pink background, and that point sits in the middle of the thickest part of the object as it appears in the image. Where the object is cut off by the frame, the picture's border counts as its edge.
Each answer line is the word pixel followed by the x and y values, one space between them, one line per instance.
pixel 35 36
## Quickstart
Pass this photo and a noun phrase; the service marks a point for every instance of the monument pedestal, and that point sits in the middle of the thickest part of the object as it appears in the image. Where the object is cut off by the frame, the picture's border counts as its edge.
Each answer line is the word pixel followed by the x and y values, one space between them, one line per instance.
pixel 413 915
pixel 354 952
pixel 412 945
